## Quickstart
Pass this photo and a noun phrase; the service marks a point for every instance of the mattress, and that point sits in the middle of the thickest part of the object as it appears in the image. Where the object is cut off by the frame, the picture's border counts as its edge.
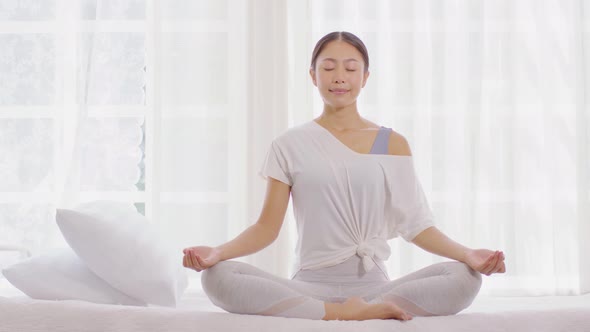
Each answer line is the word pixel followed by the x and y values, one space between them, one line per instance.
pixel 196 313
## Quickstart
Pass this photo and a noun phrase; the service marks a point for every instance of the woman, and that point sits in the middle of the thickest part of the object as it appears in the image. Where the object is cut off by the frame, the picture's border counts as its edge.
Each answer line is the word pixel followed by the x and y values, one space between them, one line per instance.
pixel 353 187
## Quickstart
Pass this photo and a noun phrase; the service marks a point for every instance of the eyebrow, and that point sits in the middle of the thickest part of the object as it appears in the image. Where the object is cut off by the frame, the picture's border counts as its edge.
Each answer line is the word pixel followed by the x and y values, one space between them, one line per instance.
pixel 334 60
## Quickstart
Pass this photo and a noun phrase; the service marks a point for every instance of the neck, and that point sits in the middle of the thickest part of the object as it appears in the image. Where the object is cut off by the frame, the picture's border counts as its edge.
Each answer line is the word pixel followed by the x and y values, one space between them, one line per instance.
pixel 341 118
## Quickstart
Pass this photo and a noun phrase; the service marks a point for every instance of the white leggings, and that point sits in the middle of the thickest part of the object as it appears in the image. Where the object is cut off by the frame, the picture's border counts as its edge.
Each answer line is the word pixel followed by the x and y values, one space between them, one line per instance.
pixel 439 289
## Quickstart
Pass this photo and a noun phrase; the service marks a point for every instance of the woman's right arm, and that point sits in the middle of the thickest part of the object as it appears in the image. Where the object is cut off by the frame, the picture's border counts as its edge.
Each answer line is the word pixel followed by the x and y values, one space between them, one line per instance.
pixel 254 238
pixel 266 229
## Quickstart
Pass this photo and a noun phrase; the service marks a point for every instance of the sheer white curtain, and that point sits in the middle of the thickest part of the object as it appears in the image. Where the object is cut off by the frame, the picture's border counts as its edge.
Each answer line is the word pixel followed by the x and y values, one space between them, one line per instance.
pixel 492 98
pixel 168 105
pixel 71 111
pixel 220 95
pixel 171 106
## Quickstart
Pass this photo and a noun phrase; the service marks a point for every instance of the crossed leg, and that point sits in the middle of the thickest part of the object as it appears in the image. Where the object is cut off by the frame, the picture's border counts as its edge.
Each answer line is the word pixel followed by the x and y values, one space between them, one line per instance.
pixel 244 289
pixel 436 290
pixel 440 289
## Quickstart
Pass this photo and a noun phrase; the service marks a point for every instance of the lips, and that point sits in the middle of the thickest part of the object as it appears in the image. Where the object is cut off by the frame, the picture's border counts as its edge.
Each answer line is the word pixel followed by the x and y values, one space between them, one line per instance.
pixel 339 91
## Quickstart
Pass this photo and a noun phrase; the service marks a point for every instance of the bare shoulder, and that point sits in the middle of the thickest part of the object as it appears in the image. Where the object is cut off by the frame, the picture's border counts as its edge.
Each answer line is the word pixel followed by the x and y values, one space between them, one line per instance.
pixel 398 145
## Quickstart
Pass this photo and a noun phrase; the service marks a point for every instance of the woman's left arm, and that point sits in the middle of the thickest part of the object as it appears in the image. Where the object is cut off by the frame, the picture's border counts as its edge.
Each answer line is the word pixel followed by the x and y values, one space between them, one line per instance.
pixel 482 260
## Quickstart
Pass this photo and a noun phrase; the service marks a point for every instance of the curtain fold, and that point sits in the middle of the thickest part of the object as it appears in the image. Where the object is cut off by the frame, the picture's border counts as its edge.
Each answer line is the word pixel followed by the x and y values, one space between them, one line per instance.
pixel 582 88
pixel 63 73
pixel 268 90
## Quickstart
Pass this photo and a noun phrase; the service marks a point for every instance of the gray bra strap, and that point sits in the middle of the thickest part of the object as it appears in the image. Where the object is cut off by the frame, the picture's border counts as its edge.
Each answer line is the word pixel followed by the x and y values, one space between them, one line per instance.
pixel 381 144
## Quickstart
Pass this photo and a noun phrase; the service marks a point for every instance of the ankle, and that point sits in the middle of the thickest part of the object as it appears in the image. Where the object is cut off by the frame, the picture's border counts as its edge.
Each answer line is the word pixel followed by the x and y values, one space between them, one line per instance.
pixel 333 311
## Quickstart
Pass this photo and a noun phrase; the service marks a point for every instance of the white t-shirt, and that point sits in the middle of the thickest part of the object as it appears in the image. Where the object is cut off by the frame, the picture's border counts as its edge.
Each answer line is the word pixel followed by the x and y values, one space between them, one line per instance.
pixel 345 202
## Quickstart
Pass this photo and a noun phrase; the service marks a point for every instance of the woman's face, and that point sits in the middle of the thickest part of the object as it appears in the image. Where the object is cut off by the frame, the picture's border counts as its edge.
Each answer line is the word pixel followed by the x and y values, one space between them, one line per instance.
pixel 339 74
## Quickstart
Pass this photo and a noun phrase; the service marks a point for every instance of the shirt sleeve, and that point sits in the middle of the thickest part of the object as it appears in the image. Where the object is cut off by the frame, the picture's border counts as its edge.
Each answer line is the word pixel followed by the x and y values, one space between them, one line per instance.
pixel 416 217
pixel 275 165
pixel 410 212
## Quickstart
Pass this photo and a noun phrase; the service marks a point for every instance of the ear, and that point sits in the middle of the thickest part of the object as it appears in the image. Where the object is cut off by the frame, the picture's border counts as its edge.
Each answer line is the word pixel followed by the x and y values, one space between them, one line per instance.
pixel 312 74
pixel 365 77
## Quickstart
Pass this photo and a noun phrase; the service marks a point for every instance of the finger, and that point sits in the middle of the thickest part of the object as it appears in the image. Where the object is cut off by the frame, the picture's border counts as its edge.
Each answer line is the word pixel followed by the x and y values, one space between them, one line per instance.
pixel 501 268
pixel 202 262
pixel 487 262
pixel 187 260
pixel 486 265
pixel 492 256
pixel 194 261
pixel 497 267
pixel 197 263
pixel 498 262
pixel 501 264
pixel 490 266
pixel 184 263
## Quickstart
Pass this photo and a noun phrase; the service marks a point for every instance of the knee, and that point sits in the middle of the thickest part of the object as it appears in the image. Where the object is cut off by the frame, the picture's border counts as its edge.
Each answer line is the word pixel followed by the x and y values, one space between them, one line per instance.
pixel 477 280
pixel 213 279
pixel 468 281
pixel 224 284
pixel 473 279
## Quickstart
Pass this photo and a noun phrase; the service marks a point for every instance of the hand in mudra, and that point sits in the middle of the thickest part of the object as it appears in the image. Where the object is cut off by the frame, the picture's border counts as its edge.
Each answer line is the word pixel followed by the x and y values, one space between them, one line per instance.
pixel 486 261
pixel 200 258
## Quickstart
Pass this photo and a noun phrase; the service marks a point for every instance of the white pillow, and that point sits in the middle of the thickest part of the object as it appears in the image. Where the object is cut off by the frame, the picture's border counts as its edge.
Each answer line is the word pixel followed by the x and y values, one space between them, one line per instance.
pixel 61 275
pixel 123 248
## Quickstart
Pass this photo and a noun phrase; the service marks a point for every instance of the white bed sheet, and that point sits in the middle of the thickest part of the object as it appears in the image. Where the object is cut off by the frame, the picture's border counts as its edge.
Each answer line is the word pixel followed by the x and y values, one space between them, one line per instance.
pixel 196 313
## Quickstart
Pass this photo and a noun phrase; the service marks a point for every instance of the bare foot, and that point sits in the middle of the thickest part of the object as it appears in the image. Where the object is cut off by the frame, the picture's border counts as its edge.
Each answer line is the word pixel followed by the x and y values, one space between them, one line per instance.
pixel 355 308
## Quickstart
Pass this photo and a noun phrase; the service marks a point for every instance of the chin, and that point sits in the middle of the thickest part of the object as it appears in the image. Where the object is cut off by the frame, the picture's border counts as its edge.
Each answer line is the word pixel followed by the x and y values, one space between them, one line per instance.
pixel 338 104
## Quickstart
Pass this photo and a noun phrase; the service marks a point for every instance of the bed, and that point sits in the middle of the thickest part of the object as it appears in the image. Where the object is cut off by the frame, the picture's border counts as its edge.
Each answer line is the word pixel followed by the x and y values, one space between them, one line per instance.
pixel 196 313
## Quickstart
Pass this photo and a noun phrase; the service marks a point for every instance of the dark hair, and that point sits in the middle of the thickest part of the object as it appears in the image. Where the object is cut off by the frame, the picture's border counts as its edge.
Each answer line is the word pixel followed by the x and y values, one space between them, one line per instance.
pixel 343 36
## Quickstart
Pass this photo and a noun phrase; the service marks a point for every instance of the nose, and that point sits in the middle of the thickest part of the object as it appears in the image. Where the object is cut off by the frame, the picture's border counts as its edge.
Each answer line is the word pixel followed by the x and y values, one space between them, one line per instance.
pixel 338 76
